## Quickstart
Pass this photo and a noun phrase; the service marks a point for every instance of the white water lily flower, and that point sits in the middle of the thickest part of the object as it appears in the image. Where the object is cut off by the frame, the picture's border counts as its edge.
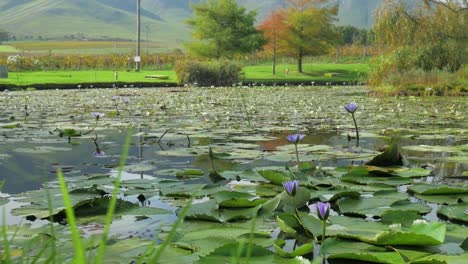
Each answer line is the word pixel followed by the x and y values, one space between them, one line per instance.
pixel 395 227
pixel 419 221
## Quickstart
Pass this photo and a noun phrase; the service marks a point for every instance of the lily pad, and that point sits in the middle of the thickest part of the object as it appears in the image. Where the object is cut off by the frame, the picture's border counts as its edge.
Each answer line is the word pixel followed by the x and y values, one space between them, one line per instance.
pixel 236 199
pixel 336 248
pixel 431 189
pixel 457 212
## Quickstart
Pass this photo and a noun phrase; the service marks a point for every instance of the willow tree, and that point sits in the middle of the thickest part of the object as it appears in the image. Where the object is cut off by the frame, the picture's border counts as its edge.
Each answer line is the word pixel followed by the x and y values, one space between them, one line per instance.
pixel 222 28
pixel 434 32
pixel 311 27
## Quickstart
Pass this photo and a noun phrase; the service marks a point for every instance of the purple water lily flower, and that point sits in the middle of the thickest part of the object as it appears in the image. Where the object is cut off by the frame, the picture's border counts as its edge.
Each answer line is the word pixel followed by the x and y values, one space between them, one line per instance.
pixel 115 97
pixel 323 210
pixel 295 138
pixel 99 153
pixel 97 115
pixel 291 187
pixel 126 99
pixel 351 107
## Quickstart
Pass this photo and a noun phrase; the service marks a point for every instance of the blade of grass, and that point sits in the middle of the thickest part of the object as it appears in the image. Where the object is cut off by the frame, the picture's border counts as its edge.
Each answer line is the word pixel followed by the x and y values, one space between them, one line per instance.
pixel 6 244
pixel 51 220
pixel 113 201
pixel 169 237
pixel 171 234
pixel 77 243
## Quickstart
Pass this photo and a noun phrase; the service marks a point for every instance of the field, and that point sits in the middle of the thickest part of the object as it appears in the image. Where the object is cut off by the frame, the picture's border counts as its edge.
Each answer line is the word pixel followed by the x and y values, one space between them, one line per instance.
pixel 318 72
pixel 336 73
pixel 78 77
pixel 7 49
pixel 83 47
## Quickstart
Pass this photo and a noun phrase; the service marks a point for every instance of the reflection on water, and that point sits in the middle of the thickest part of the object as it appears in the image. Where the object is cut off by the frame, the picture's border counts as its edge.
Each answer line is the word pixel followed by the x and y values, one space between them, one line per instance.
pixel 30 162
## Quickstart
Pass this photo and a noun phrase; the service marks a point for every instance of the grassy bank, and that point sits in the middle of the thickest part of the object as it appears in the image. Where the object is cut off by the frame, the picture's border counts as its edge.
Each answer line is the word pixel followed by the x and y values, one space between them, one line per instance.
pixel 320 72
pixel 80 77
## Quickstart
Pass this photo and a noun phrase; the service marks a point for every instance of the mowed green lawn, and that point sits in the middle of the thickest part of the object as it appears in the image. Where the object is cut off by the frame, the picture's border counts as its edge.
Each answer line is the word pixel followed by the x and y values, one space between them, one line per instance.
pixel 7 48
pixel 78 77
pixel 260 73
pixel 326 72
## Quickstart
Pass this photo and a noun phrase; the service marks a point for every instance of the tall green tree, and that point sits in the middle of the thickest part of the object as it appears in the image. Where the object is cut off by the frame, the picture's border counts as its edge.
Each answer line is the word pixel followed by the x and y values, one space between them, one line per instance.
pixel 222 28
pixel 311 27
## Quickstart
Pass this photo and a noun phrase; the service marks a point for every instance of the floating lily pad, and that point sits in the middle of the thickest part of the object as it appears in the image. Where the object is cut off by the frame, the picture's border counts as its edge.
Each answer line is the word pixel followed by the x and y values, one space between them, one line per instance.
pixel 236 199
pixel 430 189
pixel 276 177
pixel 304 249
pixel 375 233
pixel 457 212
pixel 375 205
pixel 344 249
pixel 190 173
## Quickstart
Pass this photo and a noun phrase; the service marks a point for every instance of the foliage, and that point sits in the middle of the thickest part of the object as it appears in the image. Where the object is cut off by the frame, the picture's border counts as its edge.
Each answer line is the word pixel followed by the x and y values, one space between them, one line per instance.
pixel 208 73
pixel 4 35
pixel 426 40
pixel 311 29
pixel 275 31
pixel 222 28
pixel 51 61
pixel 349 35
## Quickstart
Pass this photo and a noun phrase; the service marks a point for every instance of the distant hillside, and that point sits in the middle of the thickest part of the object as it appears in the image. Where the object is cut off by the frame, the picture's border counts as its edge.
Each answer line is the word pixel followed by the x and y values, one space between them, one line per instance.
pixel 162 20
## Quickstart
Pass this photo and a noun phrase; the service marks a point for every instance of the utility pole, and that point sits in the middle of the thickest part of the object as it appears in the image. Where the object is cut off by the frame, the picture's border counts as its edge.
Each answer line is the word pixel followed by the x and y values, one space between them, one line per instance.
pixel 137 57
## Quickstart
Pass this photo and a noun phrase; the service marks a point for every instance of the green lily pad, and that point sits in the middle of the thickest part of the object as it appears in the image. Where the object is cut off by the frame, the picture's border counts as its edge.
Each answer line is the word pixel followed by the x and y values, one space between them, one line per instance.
pixel 299 251
pixel 333 195
pixel 376 204
pixel 190 173
pixel 336 248
pixel 3 200
pixel 405 218
pixel 236 199
pixel 444 199
pixel 457 212
pixel 418 234
pixel 276 177
pixel 431 189
pixel 442 259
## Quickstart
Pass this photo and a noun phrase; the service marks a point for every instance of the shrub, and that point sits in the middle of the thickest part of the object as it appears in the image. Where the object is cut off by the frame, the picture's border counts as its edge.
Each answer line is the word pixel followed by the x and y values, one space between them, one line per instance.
pixel 208 73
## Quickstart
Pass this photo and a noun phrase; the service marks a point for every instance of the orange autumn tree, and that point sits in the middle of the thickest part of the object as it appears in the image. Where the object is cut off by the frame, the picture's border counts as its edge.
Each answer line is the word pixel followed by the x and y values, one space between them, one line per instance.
pixel 275 31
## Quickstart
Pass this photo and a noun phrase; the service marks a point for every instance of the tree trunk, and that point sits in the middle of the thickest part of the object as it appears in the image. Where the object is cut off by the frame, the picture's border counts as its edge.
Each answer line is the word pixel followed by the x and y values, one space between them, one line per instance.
pixel 274 61
pixel 299 61
pixel 337 54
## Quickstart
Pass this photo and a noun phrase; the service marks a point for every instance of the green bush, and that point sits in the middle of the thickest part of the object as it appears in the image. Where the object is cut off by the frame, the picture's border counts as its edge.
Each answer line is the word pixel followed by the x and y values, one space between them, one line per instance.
pixel 440 56
pixel 208 73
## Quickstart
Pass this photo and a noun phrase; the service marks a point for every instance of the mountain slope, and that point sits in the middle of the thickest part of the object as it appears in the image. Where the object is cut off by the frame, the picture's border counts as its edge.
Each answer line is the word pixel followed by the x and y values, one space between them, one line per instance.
pixel 162 20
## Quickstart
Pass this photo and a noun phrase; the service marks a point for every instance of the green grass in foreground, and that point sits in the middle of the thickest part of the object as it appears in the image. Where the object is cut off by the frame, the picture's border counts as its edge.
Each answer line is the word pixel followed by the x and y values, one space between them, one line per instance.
pixel 312 72
pixel 326 72
pixel 77 77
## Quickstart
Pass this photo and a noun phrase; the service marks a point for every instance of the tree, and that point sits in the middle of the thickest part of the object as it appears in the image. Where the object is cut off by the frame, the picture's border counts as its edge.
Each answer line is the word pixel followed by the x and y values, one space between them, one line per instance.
pixel 4 36
pixel 434 33
pixel 275 31
pixel 223 29
pixel 311 27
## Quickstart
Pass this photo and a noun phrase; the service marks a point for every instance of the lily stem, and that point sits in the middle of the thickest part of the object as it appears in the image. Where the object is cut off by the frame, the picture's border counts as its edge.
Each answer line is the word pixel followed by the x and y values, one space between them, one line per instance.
pixel 323 230
pixel 355 125
pixel 297 154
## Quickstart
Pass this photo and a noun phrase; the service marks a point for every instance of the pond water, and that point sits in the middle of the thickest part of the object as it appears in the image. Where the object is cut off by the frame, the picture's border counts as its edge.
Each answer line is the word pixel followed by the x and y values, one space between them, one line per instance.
pixel 31 154
pixel 173 129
